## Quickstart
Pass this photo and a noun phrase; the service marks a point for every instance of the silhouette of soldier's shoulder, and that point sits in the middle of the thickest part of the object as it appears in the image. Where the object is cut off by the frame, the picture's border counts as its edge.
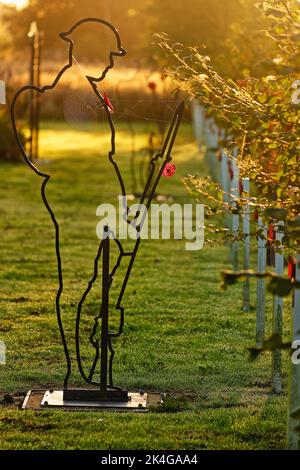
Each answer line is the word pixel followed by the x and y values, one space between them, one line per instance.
pixel 20 120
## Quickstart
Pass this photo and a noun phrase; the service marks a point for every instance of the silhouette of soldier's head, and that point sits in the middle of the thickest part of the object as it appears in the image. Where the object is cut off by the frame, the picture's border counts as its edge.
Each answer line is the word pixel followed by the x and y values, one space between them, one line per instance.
pixel 96 36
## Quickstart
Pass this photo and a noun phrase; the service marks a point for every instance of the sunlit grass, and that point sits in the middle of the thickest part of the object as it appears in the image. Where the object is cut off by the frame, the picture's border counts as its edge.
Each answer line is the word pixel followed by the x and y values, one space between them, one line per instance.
pixel 182 333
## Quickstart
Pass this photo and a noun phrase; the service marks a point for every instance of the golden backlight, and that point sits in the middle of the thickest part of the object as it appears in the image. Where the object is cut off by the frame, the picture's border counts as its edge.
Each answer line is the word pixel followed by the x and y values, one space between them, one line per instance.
pixel 17 3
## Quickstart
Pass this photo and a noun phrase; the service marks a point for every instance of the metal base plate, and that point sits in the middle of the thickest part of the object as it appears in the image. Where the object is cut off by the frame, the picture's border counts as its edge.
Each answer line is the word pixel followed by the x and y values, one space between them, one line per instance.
pixel 95 395
pixel 55 399
pixel 36 400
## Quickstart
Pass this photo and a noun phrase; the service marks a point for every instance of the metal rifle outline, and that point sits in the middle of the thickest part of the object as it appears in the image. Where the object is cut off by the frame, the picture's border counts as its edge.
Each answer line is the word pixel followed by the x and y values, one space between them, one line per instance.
pixel 165 154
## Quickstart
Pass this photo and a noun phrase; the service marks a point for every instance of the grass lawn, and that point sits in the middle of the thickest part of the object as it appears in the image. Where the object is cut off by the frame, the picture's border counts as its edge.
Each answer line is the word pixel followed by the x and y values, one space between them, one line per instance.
pixel 182 335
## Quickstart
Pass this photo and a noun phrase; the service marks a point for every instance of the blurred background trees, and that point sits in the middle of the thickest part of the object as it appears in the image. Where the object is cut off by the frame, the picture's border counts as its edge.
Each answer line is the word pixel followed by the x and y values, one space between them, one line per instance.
pixel 56 16
pixel 233 33
pixel 217 25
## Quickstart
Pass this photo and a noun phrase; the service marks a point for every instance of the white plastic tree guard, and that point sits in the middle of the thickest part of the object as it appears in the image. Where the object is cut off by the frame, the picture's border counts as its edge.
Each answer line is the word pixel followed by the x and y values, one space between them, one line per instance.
pixel 247 246
pixel 277 314
pixel 261 287
pixel 198 122
pixel 224 170
pixel 235 192
pixel 224 178
pixel 211 137
pixel 293 434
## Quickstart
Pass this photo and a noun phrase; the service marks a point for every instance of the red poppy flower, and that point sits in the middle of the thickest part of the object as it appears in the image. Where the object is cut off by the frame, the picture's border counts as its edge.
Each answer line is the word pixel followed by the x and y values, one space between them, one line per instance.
pixel 241 186
pixel 292 268
pixel 230 170
pixel 242 83
pixel 169 170
pixel 108 102
pixel 271 232
pixel 152 86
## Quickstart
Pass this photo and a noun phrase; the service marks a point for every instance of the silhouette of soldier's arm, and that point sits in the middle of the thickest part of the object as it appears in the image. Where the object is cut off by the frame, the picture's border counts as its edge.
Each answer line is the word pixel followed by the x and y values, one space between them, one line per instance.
pixel 18 112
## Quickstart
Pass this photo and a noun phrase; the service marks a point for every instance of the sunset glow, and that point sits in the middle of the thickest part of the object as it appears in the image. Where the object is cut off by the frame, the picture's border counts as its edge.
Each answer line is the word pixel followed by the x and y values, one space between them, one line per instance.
pixel 17 3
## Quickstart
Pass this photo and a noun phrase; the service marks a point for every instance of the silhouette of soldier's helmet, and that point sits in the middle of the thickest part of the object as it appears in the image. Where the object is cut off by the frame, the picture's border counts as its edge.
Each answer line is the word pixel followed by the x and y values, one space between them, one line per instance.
pixel 98 29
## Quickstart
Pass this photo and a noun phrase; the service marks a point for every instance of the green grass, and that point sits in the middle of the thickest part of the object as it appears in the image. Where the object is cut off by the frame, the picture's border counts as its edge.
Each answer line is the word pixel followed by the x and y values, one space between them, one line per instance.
pixel 182 335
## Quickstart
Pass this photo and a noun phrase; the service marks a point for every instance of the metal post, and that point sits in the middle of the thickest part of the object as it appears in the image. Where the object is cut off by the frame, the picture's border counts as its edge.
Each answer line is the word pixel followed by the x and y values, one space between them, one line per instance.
pixel 104 312
pixel 2 92
pixel 31 81
pixel 247 245
pixel 38 84
pixel 261 289
pixel 35 38
pixel 293 435
pixel 277 315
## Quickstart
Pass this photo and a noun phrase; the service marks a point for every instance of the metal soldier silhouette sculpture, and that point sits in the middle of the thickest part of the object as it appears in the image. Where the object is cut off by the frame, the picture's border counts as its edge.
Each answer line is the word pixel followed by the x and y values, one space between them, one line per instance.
pixel 103 392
